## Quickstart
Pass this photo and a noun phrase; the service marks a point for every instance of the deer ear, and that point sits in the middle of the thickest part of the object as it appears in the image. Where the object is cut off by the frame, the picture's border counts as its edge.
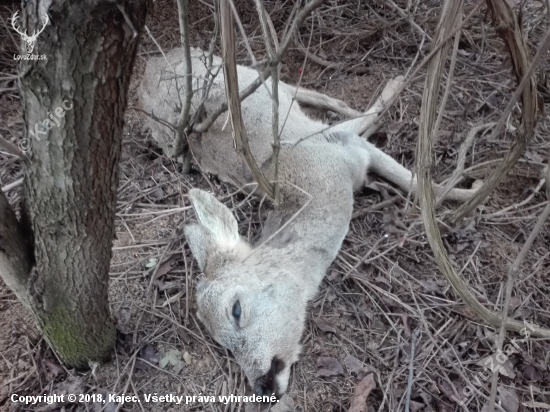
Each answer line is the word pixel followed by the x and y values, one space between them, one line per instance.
pixel 217 230
pixel 200 242
pixel 215 217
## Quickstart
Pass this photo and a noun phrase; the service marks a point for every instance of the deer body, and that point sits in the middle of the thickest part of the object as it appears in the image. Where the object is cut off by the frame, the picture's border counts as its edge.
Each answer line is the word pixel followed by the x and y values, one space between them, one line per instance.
pixel 253 298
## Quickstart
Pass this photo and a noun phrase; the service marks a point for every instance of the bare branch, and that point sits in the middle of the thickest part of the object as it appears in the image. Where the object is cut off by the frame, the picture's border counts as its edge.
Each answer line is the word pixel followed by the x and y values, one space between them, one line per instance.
pixel 210 76
pixel 275 131
pixel 265 28
pixel 271 51
pixel 183 11
pixel 252 87
pixel 232 91
pixel 359 69
pixel 11 148
pixel 13 185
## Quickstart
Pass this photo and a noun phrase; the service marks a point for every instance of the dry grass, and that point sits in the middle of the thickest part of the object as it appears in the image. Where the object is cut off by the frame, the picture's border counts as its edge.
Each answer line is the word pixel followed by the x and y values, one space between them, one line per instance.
pixel 384 284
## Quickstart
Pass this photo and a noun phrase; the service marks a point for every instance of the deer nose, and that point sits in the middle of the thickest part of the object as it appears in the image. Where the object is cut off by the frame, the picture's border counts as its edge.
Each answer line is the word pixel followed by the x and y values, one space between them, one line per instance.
pixel 266 385
pixel 265 389
pixel 261 388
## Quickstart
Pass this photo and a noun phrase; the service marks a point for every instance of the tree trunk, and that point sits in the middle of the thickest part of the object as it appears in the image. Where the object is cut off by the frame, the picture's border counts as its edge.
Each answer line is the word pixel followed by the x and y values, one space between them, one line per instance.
pixel 74 104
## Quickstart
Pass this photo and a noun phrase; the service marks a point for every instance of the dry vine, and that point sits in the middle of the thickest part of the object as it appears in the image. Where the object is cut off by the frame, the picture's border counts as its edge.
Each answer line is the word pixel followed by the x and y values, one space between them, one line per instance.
pixel 424 162
pixel 508 27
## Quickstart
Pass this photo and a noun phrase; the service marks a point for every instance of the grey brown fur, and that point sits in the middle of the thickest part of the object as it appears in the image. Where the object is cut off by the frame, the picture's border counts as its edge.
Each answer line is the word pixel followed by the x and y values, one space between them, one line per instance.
pixel 274 279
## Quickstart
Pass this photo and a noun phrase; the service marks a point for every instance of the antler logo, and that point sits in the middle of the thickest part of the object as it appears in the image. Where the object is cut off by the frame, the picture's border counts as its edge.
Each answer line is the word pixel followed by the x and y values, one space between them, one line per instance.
pixel 30 41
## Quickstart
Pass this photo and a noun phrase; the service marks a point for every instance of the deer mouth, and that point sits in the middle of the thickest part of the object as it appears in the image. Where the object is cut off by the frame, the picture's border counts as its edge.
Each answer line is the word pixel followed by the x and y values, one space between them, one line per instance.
pixel 266 385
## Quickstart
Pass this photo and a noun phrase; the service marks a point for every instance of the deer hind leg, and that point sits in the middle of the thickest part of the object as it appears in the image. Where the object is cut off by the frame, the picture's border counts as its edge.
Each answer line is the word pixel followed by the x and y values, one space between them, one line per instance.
pixel 368 157
pixel 319 101
pixel 364 125
pixel 359 123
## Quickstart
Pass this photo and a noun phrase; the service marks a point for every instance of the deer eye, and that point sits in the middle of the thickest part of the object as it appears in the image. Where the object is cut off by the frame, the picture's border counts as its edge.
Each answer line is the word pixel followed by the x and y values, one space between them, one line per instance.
pixel 237 310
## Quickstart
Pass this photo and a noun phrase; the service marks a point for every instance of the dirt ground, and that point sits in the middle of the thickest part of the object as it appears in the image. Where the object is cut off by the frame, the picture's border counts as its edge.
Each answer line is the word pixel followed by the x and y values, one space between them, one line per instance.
pixel 365 321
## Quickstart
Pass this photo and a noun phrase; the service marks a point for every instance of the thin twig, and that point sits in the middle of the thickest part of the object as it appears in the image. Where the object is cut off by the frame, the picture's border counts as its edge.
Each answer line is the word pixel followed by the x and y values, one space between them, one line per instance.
pixel 183 12
pixel 252 87
pixel 517 149
pixel 459 170
pixel 513 272
pixel 209 78
pixel 11 148
pixel 160 49
pixel 13 185
pixel 402 13
pixel 328 64
pixel 310 197
pixel 254 65
pixel 388 104
pixel 415 337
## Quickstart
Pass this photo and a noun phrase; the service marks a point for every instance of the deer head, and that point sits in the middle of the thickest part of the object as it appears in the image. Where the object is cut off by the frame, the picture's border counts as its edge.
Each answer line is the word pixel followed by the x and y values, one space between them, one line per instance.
pixel 254 304
pixel 30 41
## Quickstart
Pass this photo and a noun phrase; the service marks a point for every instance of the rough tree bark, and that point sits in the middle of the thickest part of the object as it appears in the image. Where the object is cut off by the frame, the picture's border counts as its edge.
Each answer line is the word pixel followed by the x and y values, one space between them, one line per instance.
pixel 78 98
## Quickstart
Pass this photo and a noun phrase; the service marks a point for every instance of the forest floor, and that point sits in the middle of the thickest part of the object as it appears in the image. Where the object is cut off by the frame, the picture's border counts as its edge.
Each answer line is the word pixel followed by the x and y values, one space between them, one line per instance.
pixel 363 320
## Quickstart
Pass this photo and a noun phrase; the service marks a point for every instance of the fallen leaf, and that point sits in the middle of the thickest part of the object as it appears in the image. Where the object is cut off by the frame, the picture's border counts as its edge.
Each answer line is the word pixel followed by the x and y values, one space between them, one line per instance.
pixel 329 367
pixel 514 304
pixel 162 286
pixel 187 358
pixel 156 194
pixel 53 369
pixel 362 391
pixel 171 357
pixel 531 373
pixel 109 406
pixel 507 398
pixel 459 397
pixel 166 266
pixel 430 285
pixel 72 385
pixel 325 325
pixel 122 315
pixel 416 406
pixel 353 364
pixel 534 157
pixel 152 262
pixel 183 335
pixel 147 354
pixel 178 367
